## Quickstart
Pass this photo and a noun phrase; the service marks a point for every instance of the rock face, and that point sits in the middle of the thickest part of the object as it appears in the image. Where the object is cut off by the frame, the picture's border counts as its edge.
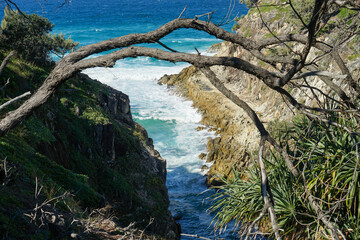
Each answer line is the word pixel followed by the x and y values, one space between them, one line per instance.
pixel 148 177
pixel 238 138
pixel 84 141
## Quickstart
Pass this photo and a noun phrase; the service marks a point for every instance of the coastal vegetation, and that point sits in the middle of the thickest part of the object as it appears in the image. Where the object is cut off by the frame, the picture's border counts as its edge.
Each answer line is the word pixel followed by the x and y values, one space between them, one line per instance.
pixel 304 180
pixel 29 35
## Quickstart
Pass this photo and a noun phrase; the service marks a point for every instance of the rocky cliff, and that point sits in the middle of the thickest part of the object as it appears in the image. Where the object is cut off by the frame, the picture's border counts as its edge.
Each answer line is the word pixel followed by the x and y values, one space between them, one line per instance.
pixel 237 138
pixel 80 167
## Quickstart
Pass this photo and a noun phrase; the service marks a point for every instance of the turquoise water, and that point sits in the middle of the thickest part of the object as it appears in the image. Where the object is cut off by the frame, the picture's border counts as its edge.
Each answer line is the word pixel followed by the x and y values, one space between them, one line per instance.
pixel 169 119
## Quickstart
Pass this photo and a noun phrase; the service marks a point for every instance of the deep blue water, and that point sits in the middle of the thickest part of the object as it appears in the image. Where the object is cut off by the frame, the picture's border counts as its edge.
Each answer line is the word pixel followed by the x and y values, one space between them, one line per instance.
pixel 170 120
pixel 90 21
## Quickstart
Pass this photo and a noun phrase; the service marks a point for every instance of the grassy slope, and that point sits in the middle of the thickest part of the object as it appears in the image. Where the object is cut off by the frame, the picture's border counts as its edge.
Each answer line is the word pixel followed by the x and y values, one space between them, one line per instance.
pixel 57 146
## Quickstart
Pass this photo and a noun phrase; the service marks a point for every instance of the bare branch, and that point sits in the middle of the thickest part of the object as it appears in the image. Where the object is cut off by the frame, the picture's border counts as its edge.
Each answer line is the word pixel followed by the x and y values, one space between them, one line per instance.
pixel 252 225
pixel 265 188
pixel 109 60
pixel 253 116
pixel 194 236
pixel 226 18
pixel 72 63
pixel 6 61
pixel 268 28
pixel 346 72
pixel 14 100
pixel 297 14
pixel 166 47
pixel 7 83
pixel 10 3
pixel 303 109
pixel 328 81
pixel 205 14
pixel 182 12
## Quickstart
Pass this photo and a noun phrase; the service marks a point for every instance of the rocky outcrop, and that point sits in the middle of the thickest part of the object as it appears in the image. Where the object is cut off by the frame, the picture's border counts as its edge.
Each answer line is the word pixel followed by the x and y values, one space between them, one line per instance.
pixel 147 177
pixel 237 138
pixel 85 142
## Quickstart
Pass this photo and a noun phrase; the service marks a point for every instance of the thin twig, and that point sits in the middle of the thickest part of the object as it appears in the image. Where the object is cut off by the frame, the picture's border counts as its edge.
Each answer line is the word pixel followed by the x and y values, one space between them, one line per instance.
pixel 168 48
pixel 261 215
pixel 197 51
pixel 182 12
pixel 271 32
pixel 198 16
pixel 7 82
pixel 297 14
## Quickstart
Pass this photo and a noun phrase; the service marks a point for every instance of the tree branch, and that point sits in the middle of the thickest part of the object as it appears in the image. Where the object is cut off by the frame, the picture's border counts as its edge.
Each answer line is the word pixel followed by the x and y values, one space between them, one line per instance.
pixel 76 61
pixel 14 100
pixel 253 116
pixel 7 83
pixel 264 188
pixel 6 61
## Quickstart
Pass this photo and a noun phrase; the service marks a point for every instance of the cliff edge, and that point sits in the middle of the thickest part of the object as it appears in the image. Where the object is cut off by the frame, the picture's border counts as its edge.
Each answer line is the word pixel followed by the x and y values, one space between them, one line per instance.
pixel 80 167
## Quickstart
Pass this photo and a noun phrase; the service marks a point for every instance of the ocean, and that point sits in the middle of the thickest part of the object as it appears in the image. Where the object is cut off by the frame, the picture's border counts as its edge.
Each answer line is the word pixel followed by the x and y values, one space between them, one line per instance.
pixel 169 119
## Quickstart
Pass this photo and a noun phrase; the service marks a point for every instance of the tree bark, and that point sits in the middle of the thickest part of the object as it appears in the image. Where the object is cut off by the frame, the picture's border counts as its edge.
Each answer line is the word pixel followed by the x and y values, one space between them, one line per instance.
pixel 6 61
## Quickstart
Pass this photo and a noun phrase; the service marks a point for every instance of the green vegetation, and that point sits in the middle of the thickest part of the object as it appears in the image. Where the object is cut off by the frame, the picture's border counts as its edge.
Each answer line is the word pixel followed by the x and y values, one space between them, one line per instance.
pixel 326 153
pixel 29 35
pixel 249 3
pixel 61 146
pixel 96 116
pixel 304 8
pixel 328 157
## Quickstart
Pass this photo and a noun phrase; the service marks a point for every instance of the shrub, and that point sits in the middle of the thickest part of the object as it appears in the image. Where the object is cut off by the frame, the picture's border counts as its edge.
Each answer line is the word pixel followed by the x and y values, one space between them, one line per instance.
pixel 304 8
pixel 249 3
pixel 328 156
pixel 29 35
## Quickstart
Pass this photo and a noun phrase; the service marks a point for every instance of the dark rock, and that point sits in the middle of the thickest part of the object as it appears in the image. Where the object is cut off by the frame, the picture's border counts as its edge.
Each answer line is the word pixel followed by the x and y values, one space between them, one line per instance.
pixel 118 104
pixel 202 156
pixel 213 181
pixel 104 138
pixel 122 146
pixel 171 235
pixel 56 150
pixel 177 216
pixel 204 168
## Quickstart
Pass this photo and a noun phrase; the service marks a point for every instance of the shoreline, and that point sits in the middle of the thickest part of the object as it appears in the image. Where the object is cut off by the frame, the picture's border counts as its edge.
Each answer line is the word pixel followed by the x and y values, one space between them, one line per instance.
pixel 237 138
pixel 219 114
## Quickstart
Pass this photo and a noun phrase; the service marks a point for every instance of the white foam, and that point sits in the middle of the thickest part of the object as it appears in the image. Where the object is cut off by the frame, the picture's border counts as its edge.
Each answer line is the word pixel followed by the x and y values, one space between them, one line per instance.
pixel 176 138
pixel 152 101
pixel 141 85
